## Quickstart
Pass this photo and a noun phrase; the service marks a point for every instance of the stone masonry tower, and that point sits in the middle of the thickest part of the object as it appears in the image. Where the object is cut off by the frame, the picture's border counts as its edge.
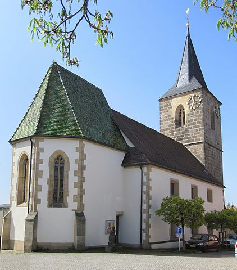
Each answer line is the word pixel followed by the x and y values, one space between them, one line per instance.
pixel 190 113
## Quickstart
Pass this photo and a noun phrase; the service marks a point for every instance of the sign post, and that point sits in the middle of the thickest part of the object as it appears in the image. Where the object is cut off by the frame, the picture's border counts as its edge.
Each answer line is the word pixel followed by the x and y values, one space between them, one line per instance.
pixel 236 250
pixel 178 234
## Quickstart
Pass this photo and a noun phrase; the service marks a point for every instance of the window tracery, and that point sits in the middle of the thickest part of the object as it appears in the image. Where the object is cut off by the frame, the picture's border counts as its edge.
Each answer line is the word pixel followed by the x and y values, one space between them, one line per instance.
pixel 58 180
pixel 23 180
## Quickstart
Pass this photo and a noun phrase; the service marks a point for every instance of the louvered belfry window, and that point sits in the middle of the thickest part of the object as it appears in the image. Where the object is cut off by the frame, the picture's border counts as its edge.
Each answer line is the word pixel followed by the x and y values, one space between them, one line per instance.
pixel 58 180
pixel 180 116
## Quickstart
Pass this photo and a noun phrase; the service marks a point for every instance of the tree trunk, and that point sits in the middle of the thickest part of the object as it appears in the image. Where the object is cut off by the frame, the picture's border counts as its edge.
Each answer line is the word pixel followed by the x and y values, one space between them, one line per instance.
pixel 183 237
pixel 222 240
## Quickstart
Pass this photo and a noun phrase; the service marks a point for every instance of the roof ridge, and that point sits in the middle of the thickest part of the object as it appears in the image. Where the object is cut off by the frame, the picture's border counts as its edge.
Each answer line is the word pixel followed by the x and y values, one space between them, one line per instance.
pixel 74 74
pixel 46 76
pixel 148 127
pixel 73 112
pixel 133 119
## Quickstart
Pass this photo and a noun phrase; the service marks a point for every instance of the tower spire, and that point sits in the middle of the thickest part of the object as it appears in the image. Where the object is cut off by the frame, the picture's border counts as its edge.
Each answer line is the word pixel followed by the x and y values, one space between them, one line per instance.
pixel 190 71
pixel 190 75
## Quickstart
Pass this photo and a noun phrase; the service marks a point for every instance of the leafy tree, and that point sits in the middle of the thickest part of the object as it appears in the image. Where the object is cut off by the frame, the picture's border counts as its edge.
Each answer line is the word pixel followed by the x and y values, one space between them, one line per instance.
pixel 228 10
pixel 195 217
pixel 218 220
pixel 55 22
pixel 211 220
pixel 222 220
pixel 232 216
pixel 182 212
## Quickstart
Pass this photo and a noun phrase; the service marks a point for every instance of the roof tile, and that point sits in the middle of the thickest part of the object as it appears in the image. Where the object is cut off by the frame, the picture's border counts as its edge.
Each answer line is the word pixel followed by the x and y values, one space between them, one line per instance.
pixel 152 147
pixel 68 106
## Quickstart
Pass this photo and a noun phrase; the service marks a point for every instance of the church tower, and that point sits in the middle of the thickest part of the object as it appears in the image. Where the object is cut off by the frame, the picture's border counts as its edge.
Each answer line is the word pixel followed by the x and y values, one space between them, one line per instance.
pixel 190 113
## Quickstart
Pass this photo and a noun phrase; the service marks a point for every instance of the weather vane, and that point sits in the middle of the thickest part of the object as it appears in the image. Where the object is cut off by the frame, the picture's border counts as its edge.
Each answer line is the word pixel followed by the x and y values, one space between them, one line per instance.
pixel 187 12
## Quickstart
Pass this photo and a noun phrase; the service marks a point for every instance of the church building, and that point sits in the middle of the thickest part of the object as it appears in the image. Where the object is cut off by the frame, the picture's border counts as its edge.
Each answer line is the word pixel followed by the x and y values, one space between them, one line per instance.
pixel 80 168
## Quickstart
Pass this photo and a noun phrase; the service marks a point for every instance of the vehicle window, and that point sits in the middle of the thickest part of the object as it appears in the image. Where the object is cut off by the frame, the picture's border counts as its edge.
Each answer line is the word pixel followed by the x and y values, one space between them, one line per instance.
pixel 211 238
pixel 200 237
pixel 197 237
pixel 233 237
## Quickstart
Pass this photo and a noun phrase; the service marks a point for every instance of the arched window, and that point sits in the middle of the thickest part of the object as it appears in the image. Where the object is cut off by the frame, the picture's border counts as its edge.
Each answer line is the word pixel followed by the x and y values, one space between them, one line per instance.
pixel 180 116
pixel 23 180
pixel 213 124
pixel 58 180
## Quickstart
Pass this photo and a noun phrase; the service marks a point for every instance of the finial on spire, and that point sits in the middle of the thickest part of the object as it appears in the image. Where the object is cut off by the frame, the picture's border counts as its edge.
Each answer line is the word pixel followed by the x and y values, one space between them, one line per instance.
pixel 187 12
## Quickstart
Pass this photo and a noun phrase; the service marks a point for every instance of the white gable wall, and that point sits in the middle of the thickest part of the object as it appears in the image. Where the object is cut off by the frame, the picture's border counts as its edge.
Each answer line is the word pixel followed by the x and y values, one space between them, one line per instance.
pixel 128 142
pixel 160 231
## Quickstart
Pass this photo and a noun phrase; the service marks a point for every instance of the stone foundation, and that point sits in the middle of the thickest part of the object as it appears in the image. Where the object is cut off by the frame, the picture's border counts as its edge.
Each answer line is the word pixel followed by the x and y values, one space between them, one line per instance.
pixel 6 229
pixel 79 230
pixel 17 245
pixel 31 232
pixel 54 246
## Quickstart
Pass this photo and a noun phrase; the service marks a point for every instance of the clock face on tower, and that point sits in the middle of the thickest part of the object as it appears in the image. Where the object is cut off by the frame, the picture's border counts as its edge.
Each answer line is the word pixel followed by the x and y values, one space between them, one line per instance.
pixel 194 102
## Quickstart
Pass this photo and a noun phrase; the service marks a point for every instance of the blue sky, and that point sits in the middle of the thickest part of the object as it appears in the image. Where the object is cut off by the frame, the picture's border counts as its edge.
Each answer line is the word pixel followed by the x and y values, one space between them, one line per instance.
pixel 133 70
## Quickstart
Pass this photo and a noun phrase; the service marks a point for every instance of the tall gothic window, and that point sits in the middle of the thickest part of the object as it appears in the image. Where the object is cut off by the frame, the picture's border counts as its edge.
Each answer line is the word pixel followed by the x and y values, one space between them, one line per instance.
pixel 180 116
pixel 58 180
pixel 23 180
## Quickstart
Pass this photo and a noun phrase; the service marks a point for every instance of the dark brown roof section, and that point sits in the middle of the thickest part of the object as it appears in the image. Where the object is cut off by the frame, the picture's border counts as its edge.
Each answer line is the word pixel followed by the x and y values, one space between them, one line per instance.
pixel 152 147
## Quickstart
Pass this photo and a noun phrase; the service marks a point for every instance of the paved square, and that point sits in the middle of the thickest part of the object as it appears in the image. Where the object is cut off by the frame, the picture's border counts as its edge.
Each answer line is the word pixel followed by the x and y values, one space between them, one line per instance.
pixel 98 261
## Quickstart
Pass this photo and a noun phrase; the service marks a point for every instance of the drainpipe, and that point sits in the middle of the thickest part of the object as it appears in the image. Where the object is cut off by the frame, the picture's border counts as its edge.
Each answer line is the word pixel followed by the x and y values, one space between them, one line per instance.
pixel 31 150
pixel 141 208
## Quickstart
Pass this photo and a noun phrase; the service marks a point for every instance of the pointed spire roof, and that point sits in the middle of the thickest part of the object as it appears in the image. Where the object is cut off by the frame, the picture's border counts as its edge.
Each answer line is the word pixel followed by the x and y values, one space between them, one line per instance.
pixel 68 106
pixel 190 75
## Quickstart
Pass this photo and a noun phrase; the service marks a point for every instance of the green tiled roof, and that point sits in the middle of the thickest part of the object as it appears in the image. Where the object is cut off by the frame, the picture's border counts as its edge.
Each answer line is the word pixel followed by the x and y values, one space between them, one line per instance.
pixel 68 106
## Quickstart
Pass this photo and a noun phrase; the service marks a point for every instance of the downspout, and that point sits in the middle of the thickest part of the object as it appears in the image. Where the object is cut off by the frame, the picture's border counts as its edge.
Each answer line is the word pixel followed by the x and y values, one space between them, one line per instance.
pixel 31 150
pixel 141 208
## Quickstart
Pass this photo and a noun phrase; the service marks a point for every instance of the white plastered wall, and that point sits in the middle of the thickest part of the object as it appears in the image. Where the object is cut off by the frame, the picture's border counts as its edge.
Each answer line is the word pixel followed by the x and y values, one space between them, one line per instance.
pixel 19 213
pixel 104 191
pixel 130 222
pixel 160 231
pixel 57 224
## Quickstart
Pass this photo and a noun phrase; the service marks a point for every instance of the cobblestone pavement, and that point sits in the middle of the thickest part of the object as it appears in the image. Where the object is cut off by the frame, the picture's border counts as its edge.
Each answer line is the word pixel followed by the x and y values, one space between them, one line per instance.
pixel 111 261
